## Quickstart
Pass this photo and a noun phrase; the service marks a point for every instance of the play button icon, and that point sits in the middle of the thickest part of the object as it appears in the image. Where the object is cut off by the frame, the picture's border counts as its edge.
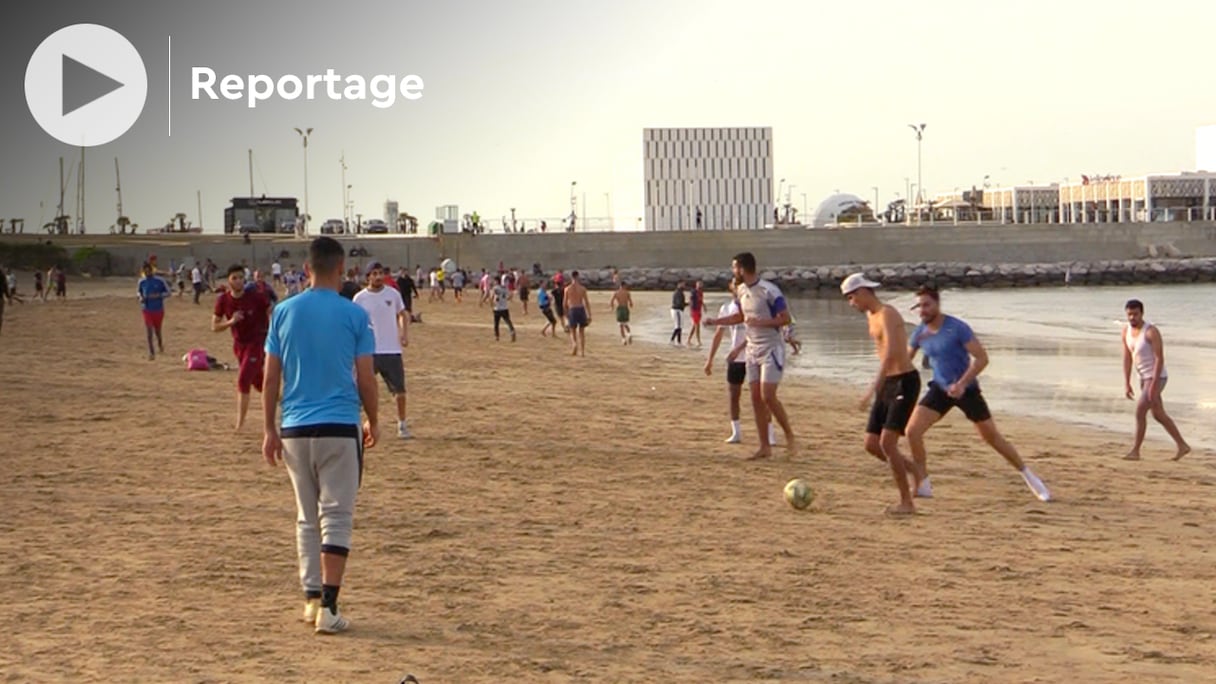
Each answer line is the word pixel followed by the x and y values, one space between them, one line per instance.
pixel 82 85
pixel 86 85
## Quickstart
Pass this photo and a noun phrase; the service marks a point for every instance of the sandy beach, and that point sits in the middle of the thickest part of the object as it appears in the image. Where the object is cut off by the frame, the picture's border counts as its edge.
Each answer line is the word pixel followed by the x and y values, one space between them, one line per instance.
pixel 561 519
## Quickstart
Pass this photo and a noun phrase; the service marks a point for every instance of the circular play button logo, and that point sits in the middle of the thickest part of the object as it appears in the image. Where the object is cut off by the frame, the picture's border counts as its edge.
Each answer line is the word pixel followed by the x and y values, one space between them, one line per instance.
pixel 86 85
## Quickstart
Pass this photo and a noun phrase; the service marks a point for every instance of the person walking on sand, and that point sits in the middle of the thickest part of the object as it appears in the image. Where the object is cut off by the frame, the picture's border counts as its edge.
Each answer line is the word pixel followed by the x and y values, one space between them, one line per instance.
pixel 894 389
pixel 501 296
pixel 390 321
pixel 762 310
pixel 579 309
pixel 318 341
pixel 1144 350
pixel 545 302
pixel 736 370
pixel 957 359
pixel 153 291
pixel 622 302
pixel 522 285
pixel 247 314
pixel 678 304
pixel 696 306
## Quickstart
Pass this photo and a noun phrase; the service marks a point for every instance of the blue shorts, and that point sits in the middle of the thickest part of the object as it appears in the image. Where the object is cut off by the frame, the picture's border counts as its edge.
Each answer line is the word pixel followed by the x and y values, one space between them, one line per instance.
pixel 578 317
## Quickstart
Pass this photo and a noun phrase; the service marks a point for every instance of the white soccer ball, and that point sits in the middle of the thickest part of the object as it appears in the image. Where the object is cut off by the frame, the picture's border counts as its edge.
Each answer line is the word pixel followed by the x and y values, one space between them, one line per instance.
pixel 448 265
pixel 798 493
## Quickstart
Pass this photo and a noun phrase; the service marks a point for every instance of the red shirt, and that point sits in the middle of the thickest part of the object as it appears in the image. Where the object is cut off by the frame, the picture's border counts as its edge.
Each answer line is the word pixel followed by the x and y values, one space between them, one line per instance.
pixel 255 315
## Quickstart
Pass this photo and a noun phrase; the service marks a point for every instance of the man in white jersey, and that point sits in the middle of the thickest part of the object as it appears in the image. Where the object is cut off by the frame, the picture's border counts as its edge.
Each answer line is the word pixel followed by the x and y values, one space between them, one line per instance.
pixel 390 326
pixel 276 273
pixel 762 311
pixel 736 370
pixel 1143 348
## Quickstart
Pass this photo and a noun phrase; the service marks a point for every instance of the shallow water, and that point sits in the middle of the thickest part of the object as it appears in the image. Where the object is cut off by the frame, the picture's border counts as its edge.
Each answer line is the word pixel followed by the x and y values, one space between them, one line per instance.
pixel 1053 352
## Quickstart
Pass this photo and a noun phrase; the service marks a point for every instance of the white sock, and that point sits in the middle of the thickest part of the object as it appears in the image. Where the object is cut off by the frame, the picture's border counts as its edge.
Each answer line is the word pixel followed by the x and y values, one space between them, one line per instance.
pixel 734 428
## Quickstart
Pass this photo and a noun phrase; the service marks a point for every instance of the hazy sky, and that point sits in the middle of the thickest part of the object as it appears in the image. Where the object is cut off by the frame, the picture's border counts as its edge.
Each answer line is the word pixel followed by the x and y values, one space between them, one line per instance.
pixel 522 97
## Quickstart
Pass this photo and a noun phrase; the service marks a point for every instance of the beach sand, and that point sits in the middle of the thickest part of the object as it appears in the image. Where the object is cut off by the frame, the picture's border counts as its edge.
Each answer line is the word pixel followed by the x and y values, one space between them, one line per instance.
pixel 563 519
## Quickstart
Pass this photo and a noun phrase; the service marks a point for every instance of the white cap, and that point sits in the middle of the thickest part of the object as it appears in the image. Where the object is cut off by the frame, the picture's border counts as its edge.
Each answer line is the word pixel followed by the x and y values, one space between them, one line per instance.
pixel 856 282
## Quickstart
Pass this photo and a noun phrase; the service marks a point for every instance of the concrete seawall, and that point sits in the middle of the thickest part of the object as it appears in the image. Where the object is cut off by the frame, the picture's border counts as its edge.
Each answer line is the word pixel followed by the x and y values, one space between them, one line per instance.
pixel 963 246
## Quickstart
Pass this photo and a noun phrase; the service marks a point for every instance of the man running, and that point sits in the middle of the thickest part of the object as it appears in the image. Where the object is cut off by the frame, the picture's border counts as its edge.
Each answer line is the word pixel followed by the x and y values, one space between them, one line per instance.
pixel 153 290
pixel 579 309
pixel 276 273
pixel 696 306
pixel 678 304
pixel 545 302
pixel 559 299
pixel 502 309
pixel 317 343
pixel 957 359
pixel 622 302
pixel 1144 349
pixel 762 310
pixel 196 279
pixel 894 389
pixel 390 327
pixel 247 315
pixel 61 283
pixel 736 370
pixel 39 289
pixel 458 286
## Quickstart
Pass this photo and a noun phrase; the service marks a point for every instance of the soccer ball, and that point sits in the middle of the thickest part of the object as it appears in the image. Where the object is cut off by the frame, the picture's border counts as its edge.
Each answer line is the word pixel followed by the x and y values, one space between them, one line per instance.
pixel 798 493
pixel 448 266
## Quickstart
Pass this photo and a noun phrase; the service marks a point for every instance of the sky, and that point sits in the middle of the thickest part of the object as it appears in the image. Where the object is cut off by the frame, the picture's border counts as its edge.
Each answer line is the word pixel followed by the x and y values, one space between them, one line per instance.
pixel 522 97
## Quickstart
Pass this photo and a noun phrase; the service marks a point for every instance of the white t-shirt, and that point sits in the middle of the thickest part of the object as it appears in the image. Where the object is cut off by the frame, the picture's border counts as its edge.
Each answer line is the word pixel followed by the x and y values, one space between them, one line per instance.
pixel 502 298
pixel 736 332
pixel 196 276
pixel 434 279
pixel 761 300
pixel 276 269
pixel 382 307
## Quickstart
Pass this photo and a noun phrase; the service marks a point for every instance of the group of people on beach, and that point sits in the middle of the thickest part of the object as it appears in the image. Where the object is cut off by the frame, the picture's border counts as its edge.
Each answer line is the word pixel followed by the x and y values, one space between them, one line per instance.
pixel 303 351
pixel 757 311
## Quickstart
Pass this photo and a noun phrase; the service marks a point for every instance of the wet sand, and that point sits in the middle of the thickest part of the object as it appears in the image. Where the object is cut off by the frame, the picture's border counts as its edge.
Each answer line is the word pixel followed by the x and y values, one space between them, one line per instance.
pixel 563 519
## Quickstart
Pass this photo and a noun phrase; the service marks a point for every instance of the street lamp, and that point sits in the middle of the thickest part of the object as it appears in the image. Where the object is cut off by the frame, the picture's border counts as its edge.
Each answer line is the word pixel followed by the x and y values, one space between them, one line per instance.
pixel 304 136
pixel 804 208
pixel 919 129
pixel 779 186
pixel 348 208
pixel 572 204
pixel 875 189
pixel 345 187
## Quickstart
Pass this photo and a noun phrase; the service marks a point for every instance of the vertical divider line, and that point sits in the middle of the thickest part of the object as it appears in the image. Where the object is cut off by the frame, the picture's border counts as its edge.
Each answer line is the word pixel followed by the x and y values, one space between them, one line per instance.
pixel 169 95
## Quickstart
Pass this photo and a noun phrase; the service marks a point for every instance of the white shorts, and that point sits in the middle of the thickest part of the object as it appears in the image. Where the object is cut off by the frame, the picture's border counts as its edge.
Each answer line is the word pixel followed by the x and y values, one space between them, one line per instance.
pixel 677 318
pixel 767 369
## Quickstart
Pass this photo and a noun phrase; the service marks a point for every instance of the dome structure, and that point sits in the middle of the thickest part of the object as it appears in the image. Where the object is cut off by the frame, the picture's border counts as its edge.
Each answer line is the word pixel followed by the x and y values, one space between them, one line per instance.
pixel 842 208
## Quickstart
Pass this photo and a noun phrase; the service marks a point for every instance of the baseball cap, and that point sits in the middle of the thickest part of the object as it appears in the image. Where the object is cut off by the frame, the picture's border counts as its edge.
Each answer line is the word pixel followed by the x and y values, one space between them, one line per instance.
pixel 372 267
pixel 856 282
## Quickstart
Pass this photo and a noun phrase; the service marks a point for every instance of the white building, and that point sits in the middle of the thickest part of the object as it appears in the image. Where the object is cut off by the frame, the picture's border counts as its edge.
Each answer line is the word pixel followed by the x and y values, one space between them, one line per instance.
pixel 708 178
pixel 391 215
pixel 1205 148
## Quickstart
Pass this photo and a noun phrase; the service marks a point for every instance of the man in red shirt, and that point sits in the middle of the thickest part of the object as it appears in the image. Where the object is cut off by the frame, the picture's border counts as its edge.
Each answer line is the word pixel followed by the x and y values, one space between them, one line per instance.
pixel 247 314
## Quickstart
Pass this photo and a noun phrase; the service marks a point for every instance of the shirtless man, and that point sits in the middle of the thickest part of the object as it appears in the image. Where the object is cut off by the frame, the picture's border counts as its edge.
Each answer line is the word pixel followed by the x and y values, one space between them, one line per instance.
pixel 957 358
pixel 1143 349
pixel 895 388
pixel 579 313
pixel 762 310
pixel 621 303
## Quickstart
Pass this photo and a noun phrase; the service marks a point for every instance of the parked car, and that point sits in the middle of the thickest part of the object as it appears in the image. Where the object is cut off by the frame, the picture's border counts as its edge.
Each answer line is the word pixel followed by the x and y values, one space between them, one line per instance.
pixel 375 227
pixel 333 227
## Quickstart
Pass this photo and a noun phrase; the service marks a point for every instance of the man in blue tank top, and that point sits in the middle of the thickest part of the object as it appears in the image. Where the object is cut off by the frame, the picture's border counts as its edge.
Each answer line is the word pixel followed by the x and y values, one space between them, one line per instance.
pixel 957 358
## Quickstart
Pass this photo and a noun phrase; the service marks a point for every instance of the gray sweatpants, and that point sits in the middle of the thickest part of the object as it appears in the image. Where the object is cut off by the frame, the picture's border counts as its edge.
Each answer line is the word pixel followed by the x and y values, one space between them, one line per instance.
pixel 325 475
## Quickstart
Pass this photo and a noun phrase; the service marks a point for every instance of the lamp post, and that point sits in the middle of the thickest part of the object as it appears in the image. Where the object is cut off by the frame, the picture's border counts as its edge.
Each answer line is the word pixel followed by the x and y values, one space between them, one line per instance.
pixel 777 199
pixel 919 129
pixel 804 209
pixel 348 208
pixel 875 189
pixel 304 136
pixel 342 161
pixel 573 213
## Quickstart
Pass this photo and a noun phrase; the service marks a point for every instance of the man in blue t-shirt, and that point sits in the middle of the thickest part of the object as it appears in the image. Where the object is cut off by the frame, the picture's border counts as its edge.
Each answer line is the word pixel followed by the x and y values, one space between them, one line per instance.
pixel 320 348
pixel 152 293
pixel 957 359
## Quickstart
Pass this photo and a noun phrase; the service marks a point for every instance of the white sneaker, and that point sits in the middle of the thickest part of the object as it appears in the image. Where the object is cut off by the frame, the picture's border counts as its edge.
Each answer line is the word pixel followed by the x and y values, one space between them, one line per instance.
pixel 925 490
pixel 734 438
pixel 1036 485
pixel 403 432
pixel 330 622
pixel 311 608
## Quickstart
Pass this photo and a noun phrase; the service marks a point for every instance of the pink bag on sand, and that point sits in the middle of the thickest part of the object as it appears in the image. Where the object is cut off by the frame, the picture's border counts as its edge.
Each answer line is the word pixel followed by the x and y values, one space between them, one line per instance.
pixel 196 360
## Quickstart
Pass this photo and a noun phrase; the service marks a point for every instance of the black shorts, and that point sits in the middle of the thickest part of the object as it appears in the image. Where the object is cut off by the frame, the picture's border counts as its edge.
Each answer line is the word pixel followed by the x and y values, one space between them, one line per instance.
pixel 972 402
pixel 559 304
pixel 389 367
pixel 894 403
pixel 578 317
pixel 523 294
pixel 736 372
pixel 548 312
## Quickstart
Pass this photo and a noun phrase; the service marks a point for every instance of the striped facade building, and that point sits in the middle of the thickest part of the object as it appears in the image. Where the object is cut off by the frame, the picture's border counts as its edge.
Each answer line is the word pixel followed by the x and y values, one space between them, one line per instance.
pixel 708 178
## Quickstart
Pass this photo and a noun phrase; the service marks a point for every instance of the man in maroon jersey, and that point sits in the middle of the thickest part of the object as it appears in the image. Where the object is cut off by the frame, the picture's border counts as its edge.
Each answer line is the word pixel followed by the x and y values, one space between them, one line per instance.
pixel 247 314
